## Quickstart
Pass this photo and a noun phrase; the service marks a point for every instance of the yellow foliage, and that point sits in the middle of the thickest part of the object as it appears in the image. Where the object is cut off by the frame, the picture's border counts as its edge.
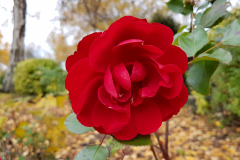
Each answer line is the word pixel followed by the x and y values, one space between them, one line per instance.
pixel 19 132
pixel 4 51
pixel 60 100
pixel 2 120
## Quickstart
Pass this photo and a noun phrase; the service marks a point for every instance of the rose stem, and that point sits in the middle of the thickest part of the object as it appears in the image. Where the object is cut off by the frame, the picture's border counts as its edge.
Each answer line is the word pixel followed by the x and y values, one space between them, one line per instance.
pixel 155 156
pixel 99 146
pixel 165 155
pixel 166 137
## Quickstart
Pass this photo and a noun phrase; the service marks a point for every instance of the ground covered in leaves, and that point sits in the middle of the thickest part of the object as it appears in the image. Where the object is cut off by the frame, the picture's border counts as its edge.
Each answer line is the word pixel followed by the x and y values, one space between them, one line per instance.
pixel 32 129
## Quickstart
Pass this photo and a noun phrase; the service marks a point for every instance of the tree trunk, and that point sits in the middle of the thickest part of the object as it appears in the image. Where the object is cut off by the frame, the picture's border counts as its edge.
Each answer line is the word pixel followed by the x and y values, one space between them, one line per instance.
pixel 17 48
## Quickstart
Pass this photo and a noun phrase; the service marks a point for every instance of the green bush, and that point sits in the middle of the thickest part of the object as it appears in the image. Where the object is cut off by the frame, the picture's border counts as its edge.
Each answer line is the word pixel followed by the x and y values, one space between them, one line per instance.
pixel 226 79
pixel 36 76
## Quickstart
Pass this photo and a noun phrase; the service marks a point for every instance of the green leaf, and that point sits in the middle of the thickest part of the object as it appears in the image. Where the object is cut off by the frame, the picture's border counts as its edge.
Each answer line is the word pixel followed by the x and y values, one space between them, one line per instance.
pixel 212 14
pixel 203 6
pixel 176 36
pixel 113 146
pixel 194 41
pixel 232 35
pixel 139 140
pixel 74 126
pixel 176 6
pixel 218 55
pixel 188 8
pixel 88 153
pixel 199 75
pixel 225 16
pixel 198 18
pixel 219 2
pixel 182 28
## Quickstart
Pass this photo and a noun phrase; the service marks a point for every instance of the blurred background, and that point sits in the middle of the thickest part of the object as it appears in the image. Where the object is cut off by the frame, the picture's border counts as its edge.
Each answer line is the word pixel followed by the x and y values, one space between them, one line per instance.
pixel 34 102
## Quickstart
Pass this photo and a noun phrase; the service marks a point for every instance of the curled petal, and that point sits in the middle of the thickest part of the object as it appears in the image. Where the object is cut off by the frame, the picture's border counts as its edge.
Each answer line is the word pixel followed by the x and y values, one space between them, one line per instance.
pixel 175 55
pixel 100 53
pixel 138 72
pixel 105 99
pixel 170 93
pixel 108 83
pixel 121 76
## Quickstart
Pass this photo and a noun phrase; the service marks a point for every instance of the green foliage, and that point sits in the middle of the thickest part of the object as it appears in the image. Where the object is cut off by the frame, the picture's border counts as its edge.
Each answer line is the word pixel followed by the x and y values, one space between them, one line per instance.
pixel 113 146
pixel 1 78
pixel 232 35
pixel 74 126
pixel 93 153
pixel 36 76
pixel 166 20
pixel 202 104
pixel 139 140
pixel 199 75
pixel 227 80
pixel 180 6
pixel 193 42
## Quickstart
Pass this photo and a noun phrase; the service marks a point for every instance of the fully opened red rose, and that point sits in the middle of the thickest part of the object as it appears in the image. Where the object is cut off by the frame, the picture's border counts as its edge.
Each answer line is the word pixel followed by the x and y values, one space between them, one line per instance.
pixel 127 80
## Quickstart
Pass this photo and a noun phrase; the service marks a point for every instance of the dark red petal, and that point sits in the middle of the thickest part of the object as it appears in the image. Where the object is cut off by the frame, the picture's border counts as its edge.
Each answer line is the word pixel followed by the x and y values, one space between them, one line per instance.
pixel 78 78
pixel 108 83
pixel 158 35
pixel 170 93
pixel 138 72
pixel 121 76
pixel 136 98
pixel 147 117
pixel 105 99
pixel 152 78
pixel 87 101
pixel 112 121
pixel 170 68
pixel 84 45
pixel 100 130
pixel 164 107
pixel 129 131
pixel 100 53
pixel 178 102
pixel 73 59
pixel 175 55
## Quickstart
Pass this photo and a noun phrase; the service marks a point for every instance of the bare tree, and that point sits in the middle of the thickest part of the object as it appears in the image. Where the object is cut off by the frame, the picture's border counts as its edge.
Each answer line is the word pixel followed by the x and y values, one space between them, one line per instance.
pixel 17 47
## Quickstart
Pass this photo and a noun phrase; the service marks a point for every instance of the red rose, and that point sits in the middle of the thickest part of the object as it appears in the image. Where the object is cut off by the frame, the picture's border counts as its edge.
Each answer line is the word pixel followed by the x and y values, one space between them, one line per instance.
pixel 127 80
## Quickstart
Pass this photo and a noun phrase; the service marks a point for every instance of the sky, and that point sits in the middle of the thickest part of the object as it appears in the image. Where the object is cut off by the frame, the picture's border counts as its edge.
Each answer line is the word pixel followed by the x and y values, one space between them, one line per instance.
pixel 37 29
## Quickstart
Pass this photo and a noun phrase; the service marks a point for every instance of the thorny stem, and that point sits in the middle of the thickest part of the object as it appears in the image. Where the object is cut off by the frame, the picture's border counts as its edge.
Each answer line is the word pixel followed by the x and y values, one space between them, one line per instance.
pixel 166 137
pixel 99 146
pixel 154 153
pixel 165 154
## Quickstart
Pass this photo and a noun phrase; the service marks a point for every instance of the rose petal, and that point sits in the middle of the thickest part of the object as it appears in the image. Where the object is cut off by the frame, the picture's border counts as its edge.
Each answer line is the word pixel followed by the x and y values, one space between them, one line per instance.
pixel 147 117
pixel 129 131
pixel 139 72
pixel 108 83
pixel 82 51
pixel 175 55
pixel 77 79
pixel 112 121
pixel 121 76
pixel 85 44
pixel 87 101
pixel 164 107
pixel 178 102
pixel 136 98
pixel 177 80
pixel 157 35
pixel 100 53
pixel 105 99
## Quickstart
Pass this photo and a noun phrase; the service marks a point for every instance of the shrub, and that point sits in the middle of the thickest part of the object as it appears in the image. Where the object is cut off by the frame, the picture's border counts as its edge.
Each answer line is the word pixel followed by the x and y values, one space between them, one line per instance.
pixel 226 93
pixel 36 76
